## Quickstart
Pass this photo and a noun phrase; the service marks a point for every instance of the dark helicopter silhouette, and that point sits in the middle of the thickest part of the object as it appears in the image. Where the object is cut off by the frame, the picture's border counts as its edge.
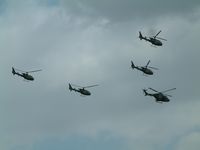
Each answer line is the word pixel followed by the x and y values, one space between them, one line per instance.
pixel 81 90
pixel 153 40
pixel 24 74
pixel 144 69
pixel 159 96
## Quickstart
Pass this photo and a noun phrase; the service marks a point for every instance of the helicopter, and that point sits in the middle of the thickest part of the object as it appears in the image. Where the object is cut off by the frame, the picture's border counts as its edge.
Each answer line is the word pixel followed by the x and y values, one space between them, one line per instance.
pixel 153 40
pixel 81 90
pixel 144 69
pixel 160 97
pixel 24 74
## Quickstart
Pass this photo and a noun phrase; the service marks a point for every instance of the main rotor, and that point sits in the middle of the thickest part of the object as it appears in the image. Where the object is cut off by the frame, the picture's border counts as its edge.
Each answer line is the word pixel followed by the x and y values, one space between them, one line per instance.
pixel 150 66
pixel 163 91
pixel 155 37
pixel 84 87
pixel 32 71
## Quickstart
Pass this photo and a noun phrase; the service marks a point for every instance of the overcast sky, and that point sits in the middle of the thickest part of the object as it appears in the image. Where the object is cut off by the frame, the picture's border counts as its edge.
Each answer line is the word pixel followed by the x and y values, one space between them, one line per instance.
pixel 89 42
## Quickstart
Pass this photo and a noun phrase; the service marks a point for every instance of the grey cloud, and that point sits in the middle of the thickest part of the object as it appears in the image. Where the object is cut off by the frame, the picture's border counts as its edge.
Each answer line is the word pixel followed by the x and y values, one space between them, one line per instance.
pixel 190 141
pixel 117 10
pixel 79 49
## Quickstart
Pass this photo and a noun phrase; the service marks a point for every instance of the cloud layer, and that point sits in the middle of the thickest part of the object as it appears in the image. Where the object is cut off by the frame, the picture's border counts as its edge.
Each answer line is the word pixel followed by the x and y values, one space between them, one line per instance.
pixel 92 42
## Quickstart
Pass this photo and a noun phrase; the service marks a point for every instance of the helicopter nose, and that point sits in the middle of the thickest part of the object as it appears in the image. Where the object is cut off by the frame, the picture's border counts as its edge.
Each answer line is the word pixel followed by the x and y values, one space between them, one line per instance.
pixel 151 72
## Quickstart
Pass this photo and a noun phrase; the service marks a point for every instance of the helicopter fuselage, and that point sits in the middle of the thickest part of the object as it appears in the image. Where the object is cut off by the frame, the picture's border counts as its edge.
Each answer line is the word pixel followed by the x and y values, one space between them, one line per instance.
pixel 80 90
pixel 155 41
pixel 145 70
pixel 25 76
pixel 84 92
pixel 28 77
pixel 160 97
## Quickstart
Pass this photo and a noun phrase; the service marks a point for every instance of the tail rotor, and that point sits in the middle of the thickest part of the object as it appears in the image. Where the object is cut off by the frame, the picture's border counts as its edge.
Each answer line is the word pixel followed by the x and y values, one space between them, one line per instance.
pixel 13 71
pixel 145 92
pixel 132 65
pixel 140 35
pixel 70 87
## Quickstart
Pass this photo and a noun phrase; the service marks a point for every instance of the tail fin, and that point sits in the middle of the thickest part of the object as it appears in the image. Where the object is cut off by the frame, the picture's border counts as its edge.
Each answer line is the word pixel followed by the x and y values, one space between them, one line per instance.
pixel 70 87
pixel 132 65
pixel 13 71
pixel 140 35
pixel 145 92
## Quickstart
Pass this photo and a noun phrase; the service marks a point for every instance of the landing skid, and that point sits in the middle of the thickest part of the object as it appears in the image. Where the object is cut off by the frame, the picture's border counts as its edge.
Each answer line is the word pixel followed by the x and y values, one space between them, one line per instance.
pixel 83 95
pixel 145 75
pixel 153 46
pixel 26 80
pixel 159 102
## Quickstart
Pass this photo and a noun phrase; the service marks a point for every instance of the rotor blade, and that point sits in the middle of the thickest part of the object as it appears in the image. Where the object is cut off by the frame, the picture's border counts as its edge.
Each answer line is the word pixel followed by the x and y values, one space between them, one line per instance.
pixel 76 85
pixel 157 34
pixel 153 68
pixel 19 70
pixel 91 86
pixel 168 95
pixel 147 63
pixel 169 90
pixel 153 90
pixel 34 71
pixel 161 38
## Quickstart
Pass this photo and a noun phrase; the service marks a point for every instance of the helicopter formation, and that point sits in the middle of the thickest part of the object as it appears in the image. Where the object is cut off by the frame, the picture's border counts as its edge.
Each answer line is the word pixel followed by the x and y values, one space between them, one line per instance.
pixel 160 97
